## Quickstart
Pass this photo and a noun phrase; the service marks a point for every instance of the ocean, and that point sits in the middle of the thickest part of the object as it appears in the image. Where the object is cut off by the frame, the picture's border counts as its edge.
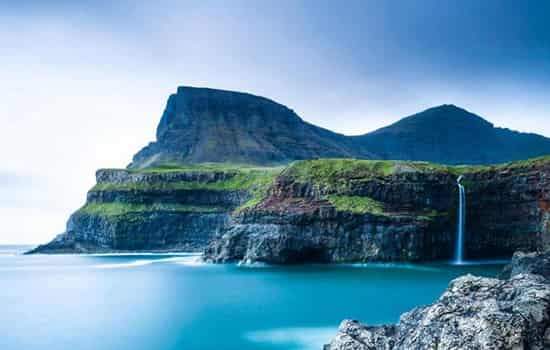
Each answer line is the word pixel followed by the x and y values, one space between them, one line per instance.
pixel 173 301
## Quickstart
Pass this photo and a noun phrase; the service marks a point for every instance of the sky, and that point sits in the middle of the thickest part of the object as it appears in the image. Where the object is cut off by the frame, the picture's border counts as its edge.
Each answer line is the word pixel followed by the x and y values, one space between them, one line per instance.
pixel 83 83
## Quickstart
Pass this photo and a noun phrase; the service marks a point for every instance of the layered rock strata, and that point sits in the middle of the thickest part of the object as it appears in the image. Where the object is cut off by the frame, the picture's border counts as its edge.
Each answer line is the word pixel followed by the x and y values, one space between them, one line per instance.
pixel 353 210
pixel 157 210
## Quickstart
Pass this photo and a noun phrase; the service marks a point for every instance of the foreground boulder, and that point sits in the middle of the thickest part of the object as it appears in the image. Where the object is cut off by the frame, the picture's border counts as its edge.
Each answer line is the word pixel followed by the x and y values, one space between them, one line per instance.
pixel 473 313
pixel 535 263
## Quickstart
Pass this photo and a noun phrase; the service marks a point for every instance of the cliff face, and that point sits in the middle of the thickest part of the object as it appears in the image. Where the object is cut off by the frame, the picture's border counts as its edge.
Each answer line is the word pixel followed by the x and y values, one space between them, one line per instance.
pixel 157 210
pixel 507 209
pixel 329 210
pixel 349 210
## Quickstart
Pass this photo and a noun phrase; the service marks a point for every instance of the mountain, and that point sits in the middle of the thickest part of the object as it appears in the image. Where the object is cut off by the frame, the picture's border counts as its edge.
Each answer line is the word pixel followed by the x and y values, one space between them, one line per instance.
pixel 207 125
pixel 451 135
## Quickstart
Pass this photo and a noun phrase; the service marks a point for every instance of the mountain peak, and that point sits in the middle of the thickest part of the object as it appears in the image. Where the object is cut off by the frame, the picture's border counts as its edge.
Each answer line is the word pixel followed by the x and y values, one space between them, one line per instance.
pixel 210 125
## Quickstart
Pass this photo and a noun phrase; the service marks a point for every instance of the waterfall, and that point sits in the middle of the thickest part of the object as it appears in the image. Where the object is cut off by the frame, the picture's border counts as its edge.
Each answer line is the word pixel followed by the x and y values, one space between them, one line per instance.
pixel 459 249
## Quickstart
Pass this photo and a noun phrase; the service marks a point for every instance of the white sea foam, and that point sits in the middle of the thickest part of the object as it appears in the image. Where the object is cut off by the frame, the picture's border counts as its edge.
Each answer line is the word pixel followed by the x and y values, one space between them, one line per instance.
pixel 135 263
pixel 296 338
pixel 187 259
pixel 480 262
pixel 192 260
pixel 396 266
pixel 252 264
pixel 140 254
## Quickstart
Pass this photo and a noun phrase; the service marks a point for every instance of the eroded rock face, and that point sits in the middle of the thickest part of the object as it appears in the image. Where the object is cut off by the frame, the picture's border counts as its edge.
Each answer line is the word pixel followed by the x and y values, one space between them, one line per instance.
pixel 325 235
pixel 507 210
pixel 534 263
pixel 473 313
pixel 167 211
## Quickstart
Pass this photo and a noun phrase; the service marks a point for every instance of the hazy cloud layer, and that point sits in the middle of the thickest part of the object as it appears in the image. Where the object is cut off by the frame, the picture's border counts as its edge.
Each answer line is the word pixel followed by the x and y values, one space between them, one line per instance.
pixel 84 82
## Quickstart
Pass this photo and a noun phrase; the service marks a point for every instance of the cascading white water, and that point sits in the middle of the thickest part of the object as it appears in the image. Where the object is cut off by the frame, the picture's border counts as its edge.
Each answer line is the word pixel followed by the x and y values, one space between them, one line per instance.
pixel 459 249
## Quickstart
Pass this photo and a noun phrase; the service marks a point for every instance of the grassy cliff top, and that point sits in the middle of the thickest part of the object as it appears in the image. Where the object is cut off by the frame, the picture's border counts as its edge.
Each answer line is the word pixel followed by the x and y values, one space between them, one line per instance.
pixel 364 169
pixel 253 179
pixel 206 167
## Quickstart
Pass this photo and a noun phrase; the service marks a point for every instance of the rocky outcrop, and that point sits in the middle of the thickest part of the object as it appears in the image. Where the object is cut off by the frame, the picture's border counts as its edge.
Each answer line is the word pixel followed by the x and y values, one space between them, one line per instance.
pixel 406 212
pixel 473 313
pixel 298 223
pixel 532 263
pixel 323 234
pixel 155 210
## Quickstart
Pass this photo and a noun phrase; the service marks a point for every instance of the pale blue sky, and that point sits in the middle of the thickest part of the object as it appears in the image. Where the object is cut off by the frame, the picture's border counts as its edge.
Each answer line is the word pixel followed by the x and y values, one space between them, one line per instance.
pixel 84 82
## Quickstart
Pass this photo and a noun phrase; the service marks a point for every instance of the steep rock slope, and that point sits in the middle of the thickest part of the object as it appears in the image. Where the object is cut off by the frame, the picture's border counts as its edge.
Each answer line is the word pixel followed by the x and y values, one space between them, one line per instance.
pixel 207 125
pixel 159 209
pixel 451 135
pixel 340 210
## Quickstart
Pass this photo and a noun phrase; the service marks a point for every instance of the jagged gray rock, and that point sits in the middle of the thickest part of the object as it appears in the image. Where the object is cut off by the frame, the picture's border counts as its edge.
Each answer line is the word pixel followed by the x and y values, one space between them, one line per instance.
pixel 474 313
pixel 535 263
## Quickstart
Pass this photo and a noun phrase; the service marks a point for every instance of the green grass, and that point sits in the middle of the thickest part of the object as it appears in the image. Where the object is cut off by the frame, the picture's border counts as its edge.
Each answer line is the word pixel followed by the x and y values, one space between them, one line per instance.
pixel 203 167
pixel 241 179
pixel 336 175
pixel 339 175
pixel 253 179
pixel 113 209
pixel 356 204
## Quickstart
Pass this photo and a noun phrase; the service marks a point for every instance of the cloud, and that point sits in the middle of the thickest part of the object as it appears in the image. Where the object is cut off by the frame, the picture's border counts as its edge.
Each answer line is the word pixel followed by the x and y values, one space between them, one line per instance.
pixel 11 179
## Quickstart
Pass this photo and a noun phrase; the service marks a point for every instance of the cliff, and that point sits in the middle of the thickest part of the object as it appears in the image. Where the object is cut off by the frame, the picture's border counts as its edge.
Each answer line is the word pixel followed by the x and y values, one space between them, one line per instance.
pixel 327 210
pixel 159 209
pixel 340 210
pixel 208 125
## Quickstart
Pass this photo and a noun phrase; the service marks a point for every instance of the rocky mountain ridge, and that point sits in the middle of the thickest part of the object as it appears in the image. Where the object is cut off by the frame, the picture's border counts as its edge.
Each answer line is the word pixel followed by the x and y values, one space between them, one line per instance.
pixel 208 125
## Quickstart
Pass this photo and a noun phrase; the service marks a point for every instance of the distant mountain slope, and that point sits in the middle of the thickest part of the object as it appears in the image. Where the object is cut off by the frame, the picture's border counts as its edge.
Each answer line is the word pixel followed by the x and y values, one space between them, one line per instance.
pixel 452 135
pixel 207 125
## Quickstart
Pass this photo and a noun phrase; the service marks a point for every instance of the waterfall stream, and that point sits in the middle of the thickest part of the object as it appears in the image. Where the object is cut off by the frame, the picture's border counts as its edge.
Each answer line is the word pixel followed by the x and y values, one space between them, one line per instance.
pixel 459 248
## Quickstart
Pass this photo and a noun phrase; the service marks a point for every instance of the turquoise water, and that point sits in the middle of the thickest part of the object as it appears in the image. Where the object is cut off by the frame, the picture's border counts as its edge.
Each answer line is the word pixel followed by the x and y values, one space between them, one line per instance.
pixel 170 302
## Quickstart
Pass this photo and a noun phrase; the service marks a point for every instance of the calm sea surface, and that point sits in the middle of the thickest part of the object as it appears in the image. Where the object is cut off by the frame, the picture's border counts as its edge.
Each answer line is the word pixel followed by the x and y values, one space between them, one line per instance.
pixel 164 302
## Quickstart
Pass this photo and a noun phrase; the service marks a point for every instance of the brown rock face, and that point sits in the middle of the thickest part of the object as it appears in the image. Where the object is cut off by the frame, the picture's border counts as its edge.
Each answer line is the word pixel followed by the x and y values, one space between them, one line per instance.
pixel 506 211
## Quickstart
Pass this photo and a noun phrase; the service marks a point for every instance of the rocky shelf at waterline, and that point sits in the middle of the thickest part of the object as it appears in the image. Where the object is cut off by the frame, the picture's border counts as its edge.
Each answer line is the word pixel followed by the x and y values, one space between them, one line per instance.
pixel 326 210
pixel 473 313
pixel 343 210
pixel 161 209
